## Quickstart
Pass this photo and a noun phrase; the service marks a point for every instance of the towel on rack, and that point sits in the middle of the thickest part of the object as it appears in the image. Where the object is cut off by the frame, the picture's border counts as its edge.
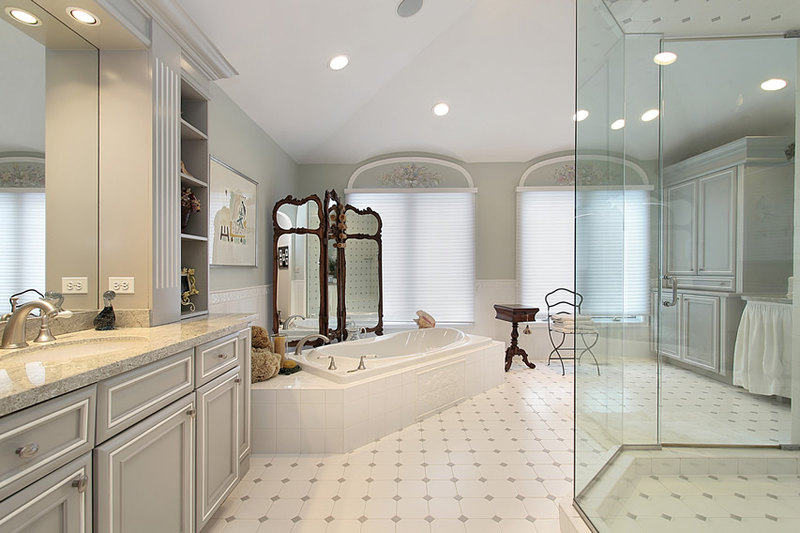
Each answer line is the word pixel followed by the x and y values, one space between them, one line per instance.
pixel 572 319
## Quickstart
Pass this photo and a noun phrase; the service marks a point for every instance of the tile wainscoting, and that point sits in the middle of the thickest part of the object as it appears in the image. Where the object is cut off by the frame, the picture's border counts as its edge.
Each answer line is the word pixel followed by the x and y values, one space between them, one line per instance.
pixel 244 300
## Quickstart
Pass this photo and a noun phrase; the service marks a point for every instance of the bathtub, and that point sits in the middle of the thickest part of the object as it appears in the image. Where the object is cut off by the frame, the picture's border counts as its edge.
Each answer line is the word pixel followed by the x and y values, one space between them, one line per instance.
pixel 386 353
pixel 410 376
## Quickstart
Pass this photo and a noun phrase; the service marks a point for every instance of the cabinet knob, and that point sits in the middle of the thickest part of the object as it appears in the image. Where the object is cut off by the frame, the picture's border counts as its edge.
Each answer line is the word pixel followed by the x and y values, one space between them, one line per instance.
pixel 223 356
pixel 192 412
pixel 81 482
pixel 237 380
pixel 27 451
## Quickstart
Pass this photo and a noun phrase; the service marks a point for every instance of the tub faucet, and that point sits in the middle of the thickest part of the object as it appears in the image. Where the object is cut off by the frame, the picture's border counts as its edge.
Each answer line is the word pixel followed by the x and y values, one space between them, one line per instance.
pixel 290 320
pixel 314 336
pixel 14 334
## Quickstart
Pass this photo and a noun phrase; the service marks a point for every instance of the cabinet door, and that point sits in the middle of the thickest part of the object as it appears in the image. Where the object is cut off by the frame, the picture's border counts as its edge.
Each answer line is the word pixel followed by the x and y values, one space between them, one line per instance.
pixel 665 329
pixel 145 475
pixel 60 502
pixel 717 223
pixel 244 394
pixel 217 442
pixel 681 228
pixel 700 326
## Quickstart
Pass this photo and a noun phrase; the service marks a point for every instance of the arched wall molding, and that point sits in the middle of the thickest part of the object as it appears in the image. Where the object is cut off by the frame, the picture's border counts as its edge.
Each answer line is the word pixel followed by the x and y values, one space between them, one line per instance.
pixel 586 157
pixel 351 184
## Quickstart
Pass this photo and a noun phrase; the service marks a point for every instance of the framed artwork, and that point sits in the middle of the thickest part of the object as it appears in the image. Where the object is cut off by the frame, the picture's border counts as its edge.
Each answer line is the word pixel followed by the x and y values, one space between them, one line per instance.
pixel 283 257
pixel 234 214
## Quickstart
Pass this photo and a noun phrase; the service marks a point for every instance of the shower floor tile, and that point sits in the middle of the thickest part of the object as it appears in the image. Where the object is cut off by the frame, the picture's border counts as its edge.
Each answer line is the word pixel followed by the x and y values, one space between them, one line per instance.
pixel 496 463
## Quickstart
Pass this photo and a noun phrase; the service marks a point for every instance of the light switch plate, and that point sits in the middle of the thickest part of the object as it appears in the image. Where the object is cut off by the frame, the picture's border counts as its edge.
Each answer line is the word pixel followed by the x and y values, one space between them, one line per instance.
pixel 75 285
pixel 121 285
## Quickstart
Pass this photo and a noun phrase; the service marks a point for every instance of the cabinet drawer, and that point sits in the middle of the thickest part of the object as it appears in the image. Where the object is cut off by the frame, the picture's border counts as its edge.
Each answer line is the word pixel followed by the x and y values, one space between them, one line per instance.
pixel 37 440
pixel 63 497
pixel 130 397
pixel 215 357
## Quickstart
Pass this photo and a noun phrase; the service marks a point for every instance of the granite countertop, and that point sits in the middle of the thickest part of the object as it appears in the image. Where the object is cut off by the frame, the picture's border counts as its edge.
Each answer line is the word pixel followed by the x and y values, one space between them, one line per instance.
pixel 766 299
pixel 29 376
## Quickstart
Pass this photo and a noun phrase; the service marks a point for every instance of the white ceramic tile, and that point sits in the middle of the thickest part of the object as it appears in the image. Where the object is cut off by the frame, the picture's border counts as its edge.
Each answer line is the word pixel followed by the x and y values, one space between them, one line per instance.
pixel 287 440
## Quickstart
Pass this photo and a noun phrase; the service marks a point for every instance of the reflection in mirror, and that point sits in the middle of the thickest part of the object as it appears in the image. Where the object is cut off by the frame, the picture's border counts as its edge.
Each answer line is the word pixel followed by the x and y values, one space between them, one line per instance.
pixel 297 268
pixel 48 158
pixel 362 284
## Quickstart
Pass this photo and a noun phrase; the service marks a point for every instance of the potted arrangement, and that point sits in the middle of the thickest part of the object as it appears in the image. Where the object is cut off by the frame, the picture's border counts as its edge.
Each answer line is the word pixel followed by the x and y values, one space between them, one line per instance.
pixel 189 204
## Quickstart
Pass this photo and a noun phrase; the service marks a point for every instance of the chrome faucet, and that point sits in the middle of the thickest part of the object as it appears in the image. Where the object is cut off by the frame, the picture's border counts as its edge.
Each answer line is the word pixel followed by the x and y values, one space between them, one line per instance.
pixel 14 334
pixel 314 336
pixel 290 320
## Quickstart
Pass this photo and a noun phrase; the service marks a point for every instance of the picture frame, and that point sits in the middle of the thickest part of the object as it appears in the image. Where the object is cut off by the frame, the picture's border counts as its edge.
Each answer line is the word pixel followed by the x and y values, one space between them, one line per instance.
pixel 233 202
pixel 283 257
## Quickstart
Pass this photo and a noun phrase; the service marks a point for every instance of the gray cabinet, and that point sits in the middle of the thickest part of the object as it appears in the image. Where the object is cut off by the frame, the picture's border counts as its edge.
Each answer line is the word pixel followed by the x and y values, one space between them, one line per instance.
pixel 60 502
pixel 701 330
pixel 700 230
pixel 244 400
pixel 218 411
pixel 145 475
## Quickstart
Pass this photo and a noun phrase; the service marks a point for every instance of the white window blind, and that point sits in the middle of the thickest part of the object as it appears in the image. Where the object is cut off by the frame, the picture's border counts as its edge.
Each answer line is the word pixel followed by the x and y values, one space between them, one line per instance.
pixel 610 251
pixel 22 241
pixel 428 253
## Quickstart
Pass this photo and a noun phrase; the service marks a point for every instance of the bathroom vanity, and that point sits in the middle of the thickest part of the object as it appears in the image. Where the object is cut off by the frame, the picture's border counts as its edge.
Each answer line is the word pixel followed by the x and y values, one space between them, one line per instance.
pixel 143 429
pixel 728 218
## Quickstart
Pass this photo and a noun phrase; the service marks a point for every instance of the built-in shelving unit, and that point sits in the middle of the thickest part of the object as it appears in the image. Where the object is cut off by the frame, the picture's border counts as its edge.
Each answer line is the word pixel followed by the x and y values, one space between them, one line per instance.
pixel 194 155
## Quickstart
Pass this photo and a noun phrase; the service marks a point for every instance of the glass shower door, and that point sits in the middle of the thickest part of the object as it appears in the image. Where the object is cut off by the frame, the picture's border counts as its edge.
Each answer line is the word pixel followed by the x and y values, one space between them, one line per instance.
pixel 724 332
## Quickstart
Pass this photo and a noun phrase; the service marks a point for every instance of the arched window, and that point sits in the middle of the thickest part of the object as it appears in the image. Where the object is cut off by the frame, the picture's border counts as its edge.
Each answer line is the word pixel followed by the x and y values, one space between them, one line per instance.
pixel 613 237
pixel 427 206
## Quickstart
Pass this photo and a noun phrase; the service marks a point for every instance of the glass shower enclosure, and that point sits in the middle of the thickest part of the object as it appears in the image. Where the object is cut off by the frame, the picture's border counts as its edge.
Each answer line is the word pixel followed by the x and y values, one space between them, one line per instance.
pixel 685 254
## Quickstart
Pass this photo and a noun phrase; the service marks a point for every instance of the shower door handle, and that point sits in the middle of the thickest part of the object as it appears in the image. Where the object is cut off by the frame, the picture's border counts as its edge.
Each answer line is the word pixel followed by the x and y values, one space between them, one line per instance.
pixel 674 284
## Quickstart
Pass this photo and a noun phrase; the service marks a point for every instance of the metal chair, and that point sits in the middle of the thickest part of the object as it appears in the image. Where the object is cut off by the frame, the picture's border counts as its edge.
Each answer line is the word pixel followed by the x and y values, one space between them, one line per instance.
pixel 566 302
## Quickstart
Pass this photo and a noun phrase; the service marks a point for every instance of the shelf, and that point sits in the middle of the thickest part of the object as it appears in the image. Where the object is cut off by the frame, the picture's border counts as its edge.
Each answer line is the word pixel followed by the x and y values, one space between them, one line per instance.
pixel 192 314
pixel 190 132
pixel 190 237
pixel 186 178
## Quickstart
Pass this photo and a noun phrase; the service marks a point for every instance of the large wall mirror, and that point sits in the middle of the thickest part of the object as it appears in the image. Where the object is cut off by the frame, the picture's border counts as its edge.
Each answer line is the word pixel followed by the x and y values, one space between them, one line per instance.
pixel 327 269
pixel 48 158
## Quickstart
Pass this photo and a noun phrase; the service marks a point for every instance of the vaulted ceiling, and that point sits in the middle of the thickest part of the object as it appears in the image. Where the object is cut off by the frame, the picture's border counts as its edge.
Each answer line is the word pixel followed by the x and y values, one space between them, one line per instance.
pixel 505 67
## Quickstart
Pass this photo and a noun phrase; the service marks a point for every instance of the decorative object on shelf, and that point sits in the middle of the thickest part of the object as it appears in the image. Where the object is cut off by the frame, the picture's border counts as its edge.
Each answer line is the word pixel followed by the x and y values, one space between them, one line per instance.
pixel 283 257
pixel 234 207
pixel 184 171
pixel 18 171
pixel 412 176
pixel 189 204
pixel 188 288
pixel 425 320
pixel 105 319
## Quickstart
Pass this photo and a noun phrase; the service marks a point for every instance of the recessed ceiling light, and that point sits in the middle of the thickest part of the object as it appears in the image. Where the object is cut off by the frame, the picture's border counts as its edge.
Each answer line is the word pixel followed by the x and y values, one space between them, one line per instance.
pixel 665 58
pixel 20 15
pixel 582 114
pixel 650 114
pixel 83 16
pixel 339 62
pixel 441 109
pixel 618 124
pixel 774 84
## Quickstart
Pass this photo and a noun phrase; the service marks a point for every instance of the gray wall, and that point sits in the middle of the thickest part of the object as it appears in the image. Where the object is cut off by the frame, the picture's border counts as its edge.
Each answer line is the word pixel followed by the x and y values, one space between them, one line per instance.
pixel 236 140
pixel 495 208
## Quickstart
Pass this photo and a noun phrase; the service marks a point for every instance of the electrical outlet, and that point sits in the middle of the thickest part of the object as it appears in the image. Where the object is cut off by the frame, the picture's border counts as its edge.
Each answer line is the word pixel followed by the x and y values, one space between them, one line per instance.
pixel 75 285
pixel 121 285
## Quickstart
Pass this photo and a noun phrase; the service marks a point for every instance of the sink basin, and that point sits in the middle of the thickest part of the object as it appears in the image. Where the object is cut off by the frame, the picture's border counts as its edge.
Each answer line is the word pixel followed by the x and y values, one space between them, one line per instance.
pixel 73 349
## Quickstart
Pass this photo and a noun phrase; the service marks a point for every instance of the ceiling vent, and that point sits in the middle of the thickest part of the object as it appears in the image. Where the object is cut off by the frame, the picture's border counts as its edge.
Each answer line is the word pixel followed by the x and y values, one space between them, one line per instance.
pixel 407 8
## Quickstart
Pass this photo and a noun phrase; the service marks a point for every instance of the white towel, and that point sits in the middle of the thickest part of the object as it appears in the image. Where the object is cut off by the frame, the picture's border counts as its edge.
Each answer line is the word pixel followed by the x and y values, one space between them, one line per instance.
pixel 572 319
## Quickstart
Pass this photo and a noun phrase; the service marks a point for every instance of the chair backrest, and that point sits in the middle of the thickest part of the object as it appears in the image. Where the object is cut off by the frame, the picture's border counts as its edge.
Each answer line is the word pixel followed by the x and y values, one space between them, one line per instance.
pixel 563 300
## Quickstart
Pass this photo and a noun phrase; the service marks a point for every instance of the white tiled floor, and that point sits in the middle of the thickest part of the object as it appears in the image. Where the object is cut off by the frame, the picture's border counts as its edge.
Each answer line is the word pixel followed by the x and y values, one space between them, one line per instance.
pixel 496 463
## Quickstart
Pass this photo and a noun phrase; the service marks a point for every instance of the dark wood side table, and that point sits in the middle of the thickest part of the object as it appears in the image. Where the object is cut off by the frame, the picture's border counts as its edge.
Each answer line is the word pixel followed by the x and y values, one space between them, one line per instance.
pixel 515 314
